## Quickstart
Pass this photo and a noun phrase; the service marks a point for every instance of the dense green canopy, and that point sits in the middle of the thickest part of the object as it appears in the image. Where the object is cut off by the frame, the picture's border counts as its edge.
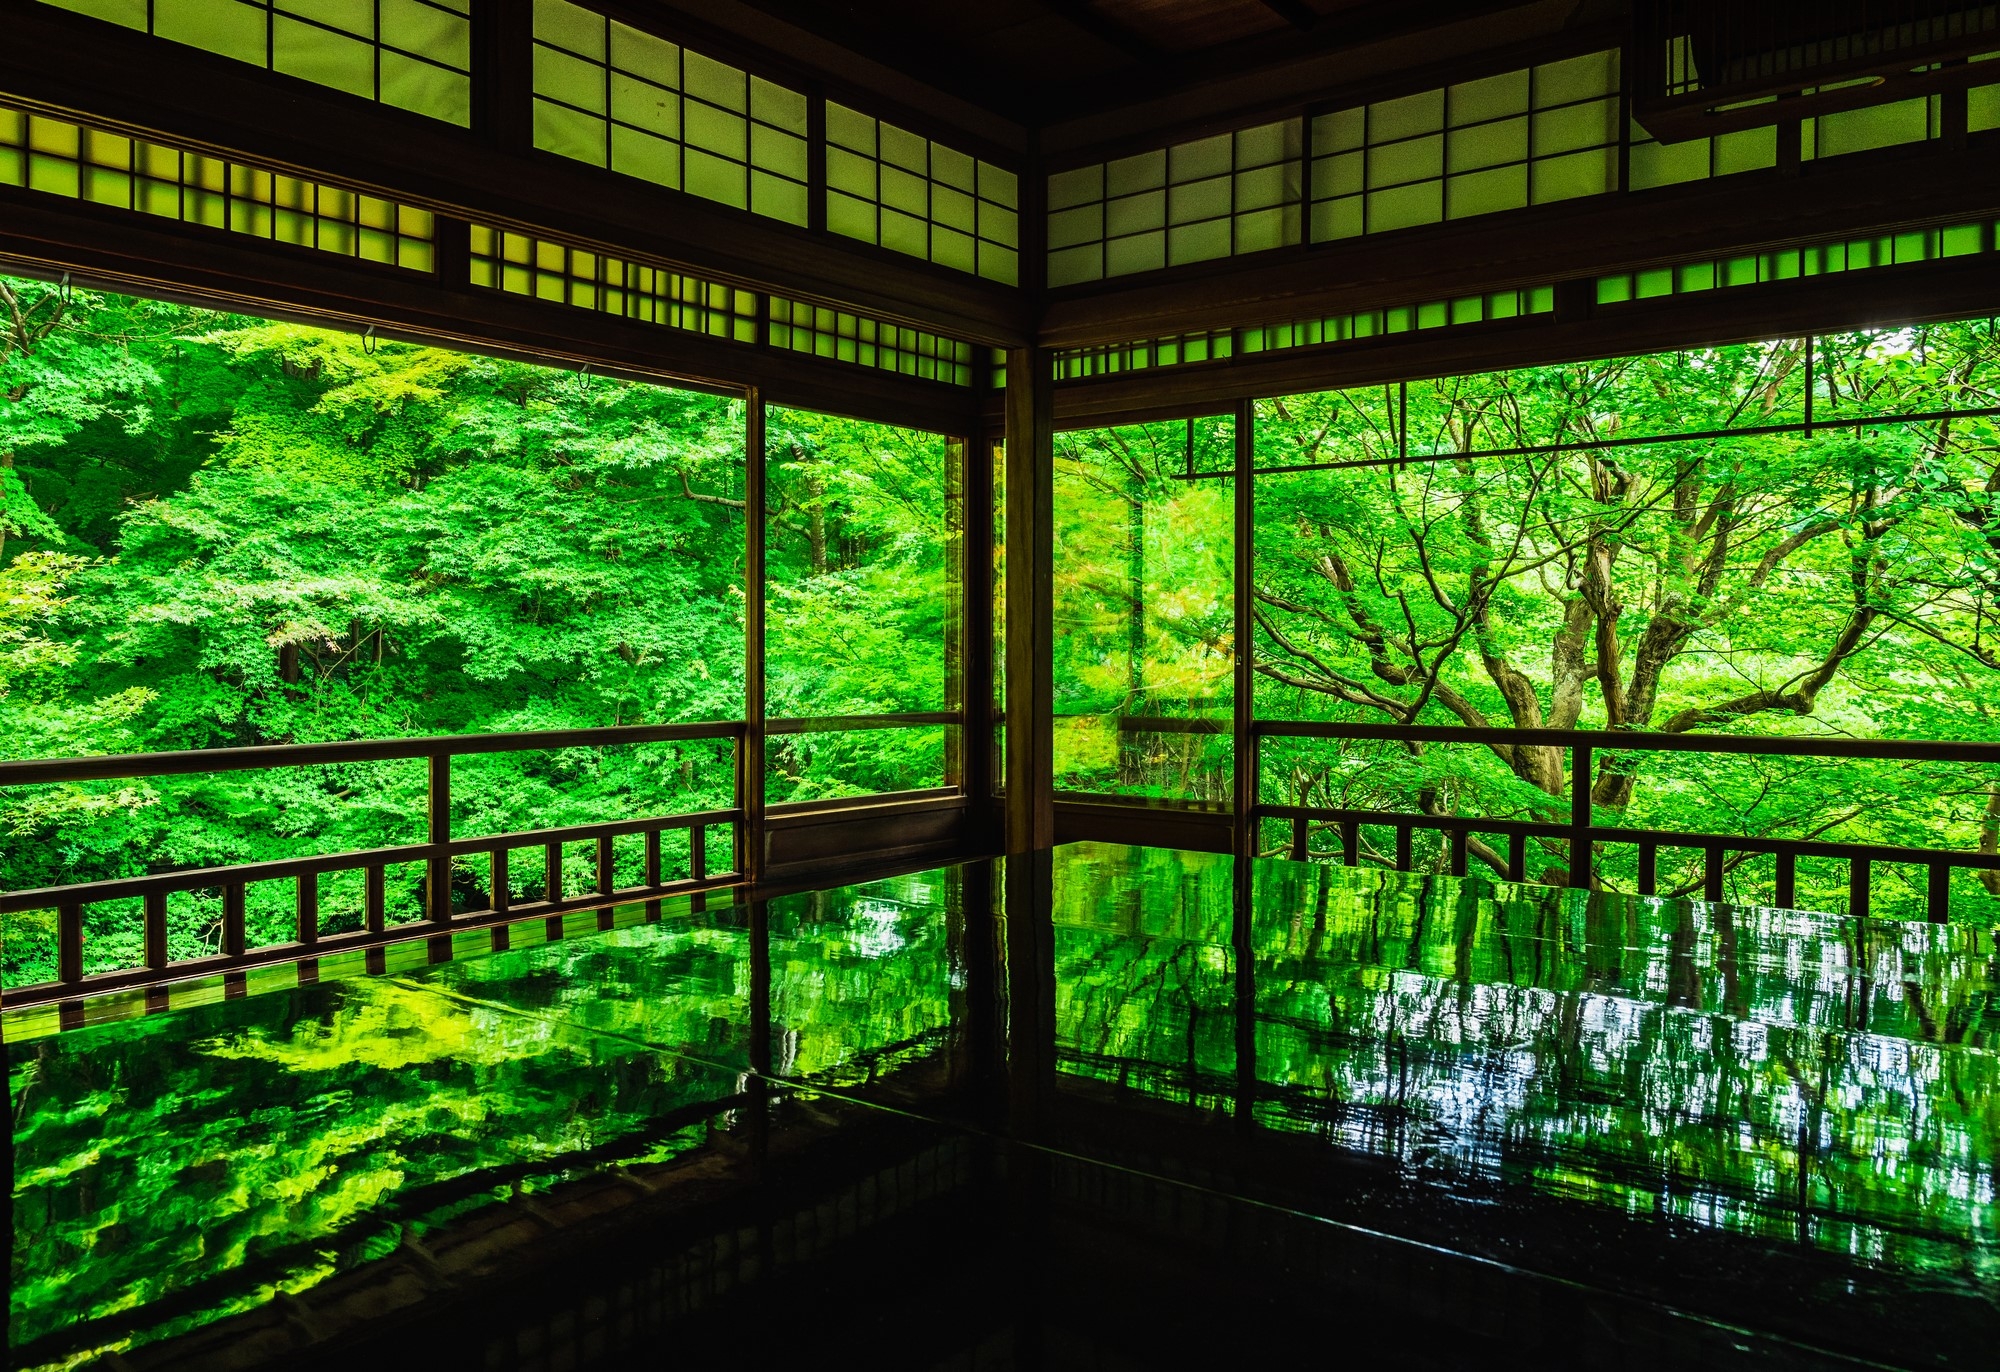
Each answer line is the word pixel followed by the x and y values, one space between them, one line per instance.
pixel 219 531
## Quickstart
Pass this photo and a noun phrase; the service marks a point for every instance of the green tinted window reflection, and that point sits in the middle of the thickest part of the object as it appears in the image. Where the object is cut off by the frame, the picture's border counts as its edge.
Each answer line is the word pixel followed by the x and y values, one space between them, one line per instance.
pixel 1144 610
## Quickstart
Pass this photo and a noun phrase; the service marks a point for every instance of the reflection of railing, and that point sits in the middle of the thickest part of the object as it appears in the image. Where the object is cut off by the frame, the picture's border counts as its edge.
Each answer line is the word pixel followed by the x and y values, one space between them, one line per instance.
pixel 1139 726
pixel 1582 835
pixel 437 854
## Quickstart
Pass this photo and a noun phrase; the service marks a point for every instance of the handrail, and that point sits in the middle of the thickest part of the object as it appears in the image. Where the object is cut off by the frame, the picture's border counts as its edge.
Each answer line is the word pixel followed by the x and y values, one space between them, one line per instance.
pixel 1627 740
pixel 117 766
pixel 1583 834
pixel 437 855
pixel 831 724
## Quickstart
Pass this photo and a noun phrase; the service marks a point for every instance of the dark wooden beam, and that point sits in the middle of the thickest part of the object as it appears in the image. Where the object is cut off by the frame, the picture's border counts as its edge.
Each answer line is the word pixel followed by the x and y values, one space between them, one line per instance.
pixel 84 67
pixel 1887 296
pixel 46 236
pixel 976 681
pixel 753 854
pixel 1030 601
pixel 1107 30
pixel 1861 194
pixel 1299 16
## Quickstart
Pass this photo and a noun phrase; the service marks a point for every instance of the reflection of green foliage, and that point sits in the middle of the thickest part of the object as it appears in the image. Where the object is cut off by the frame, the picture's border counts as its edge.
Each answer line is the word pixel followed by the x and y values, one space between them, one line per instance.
pixel 219 531
pixel 859 600
pixel 175 1168
pixel 1144 624
pixel 1637 1053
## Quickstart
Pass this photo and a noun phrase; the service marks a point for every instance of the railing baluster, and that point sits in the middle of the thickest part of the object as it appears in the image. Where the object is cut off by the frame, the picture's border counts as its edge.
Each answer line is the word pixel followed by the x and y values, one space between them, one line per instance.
pixel 1711 872
pixel 1857 886
pixel 1457 839
pixel 1517 857
pixel 1649 867
pixel 1786 893
pixel 500 880
pixel 698 854
pixel 607 879
pixel 69 942
pixel 308 908
pixel 1301 830
pixel 232 920
pixel 375 899
pixel 1937 902
pixel 438 885
pixel 1402 847
pixel 552 872
pixel 156 931
pixel 1579 816
pixel 1350 842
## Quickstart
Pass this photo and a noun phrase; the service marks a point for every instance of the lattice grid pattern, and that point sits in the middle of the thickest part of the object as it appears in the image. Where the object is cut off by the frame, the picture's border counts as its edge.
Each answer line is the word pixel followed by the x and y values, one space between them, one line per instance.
pixel 900 190
pixel 1529 137
pixel 544 269
pixel 616 97
pixel 79 162
pixel 413 54
pixel 822 332
pixel 1193 202
pixel 1750 269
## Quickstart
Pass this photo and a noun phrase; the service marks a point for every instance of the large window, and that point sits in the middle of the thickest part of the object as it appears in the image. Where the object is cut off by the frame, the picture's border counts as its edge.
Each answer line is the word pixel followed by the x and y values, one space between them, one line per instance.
pixel 1145 610
pixel 1754 540
pixel 217 531
pixel 862 604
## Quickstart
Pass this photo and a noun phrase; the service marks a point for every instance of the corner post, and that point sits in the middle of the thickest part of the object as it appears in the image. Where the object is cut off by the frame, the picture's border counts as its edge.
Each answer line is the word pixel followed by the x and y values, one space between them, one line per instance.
pixel 750 754
pixel 1030 599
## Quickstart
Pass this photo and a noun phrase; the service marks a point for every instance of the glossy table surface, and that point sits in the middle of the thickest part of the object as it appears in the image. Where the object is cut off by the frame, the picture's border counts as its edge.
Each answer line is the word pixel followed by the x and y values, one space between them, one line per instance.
pixel 1777 1128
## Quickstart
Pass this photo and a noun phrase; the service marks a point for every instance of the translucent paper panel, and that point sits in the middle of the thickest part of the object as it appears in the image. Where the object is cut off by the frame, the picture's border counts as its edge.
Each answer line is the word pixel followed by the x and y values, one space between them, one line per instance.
pixel 621 98
pixel 1529 137
pixel 888 186
pixel 861 599
pixel 1788 264
pixel 546 269
pixel 1144 610
pixel 1213 197
pixel 79 162
pixel 825 332
pixel 413 54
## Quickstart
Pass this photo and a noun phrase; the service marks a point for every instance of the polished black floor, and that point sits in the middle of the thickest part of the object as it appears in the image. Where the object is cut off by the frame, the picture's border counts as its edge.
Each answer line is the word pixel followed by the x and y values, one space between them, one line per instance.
pixel 1104 1107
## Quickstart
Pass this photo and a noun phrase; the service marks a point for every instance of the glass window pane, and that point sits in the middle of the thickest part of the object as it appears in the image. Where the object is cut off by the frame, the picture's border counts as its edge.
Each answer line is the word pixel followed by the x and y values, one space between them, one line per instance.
pixel 1144 610
pixel 861 603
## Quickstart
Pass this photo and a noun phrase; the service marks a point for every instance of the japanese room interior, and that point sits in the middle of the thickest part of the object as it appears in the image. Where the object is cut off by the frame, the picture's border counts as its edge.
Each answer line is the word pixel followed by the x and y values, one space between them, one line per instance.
pixel 1010 684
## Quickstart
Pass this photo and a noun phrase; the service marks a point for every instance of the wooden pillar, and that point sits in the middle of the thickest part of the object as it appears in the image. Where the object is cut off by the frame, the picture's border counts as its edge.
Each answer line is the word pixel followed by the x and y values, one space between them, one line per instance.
pixel 1030 600
pixel 750 756
pixel 1245 714
pixel 975 629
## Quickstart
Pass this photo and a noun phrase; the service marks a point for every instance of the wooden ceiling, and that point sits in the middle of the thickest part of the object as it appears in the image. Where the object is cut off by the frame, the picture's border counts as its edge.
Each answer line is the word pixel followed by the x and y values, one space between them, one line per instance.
pixel 1040 61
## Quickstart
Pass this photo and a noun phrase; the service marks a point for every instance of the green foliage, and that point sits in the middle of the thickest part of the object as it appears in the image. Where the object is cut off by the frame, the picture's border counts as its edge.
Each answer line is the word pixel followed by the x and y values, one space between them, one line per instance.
pixel 861 600
pixel 218 531
pixel 1144 618
pixel 1758 583
pixel 1791 1077
pixel 173 1169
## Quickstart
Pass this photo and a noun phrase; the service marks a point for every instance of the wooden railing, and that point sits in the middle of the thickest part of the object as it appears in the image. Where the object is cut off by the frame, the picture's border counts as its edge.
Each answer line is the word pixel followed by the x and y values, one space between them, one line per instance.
pixel 1583 836
pixel 438 854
